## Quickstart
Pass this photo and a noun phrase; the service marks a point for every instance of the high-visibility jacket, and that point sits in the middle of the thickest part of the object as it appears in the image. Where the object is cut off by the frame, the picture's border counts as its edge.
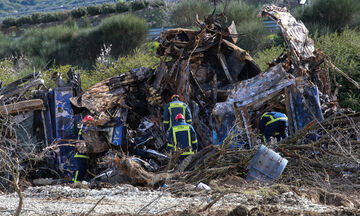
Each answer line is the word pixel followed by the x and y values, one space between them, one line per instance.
pixel 182 135
pixel 273 124
pixel 172 109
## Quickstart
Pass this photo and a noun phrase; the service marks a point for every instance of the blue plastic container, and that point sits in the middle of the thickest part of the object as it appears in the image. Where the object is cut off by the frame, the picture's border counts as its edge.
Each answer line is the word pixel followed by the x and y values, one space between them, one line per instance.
pixel 265 166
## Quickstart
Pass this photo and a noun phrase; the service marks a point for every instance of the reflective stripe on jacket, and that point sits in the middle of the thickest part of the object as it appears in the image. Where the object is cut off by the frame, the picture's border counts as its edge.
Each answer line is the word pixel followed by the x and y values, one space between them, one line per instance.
pixel 182 135
pixel 172 109
pixel 269 118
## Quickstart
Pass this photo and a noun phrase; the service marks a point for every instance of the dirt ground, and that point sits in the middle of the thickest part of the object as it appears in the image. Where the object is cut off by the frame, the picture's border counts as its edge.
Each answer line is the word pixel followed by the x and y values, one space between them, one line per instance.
pixel 228 196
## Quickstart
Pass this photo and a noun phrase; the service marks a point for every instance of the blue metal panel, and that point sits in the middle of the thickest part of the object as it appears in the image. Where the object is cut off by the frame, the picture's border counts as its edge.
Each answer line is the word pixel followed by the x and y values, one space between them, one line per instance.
pixel 266 165
pixel 117 133
pixel 307 107
pixel 63 123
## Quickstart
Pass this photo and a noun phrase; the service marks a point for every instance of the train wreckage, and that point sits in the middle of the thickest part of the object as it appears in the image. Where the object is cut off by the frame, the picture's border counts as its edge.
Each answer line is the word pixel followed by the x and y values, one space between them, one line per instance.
pixel 224 87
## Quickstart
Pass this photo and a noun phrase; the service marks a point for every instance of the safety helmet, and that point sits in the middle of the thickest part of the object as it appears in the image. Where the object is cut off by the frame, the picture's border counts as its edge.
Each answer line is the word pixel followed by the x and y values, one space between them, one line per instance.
pixel 88 118
pixel 174 96
pixel 179 116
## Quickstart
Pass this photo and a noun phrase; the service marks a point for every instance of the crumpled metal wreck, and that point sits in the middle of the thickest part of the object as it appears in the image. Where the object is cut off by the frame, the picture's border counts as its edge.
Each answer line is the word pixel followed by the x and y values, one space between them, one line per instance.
pixel 219 81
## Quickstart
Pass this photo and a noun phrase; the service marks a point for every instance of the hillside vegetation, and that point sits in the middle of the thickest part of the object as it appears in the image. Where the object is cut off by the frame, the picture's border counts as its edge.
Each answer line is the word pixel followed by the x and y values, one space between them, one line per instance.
pixel 19 7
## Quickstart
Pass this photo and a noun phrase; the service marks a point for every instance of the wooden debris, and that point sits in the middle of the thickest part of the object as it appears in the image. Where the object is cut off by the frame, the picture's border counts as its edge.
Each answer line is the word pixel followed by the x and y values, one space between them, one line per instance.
pixel 22 106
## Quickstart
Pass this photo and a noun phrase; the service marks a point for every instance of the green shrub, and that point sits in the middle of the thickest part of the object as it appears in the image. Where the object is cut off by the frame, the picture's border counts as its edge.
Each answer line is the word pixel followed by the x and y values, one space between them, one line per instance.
pixel 240 12
pixel 139 4
pixel 36 18
pixel 50 17
pixel 184 13
pixel 124 32
pixel 343 50
pixel 138 58
pixel 108 8
pixel 8 22
pixel 63 15
pixel 6 46
pixel 23 20
pixel 93 10
pixel 253 36
pixel 122 7
pixel 266 56
pixel 157 3
pixel 334 13
pixel 79 12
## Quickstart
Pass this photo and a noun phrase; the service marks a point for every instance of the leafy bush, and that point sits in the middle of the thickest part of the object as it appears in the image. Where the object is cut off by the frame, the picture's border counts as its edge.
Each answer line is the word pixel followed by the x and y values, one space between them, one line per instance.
pixel 93 10
pixel 37 18
pixel 157 3
pixel 254 36
pixel 124 32
pixel 122 7
pixel 139 4
pixel 343 50
pixel 108 8
pixel 79 12
pixel 266 56
pixel 23 20
pixel 8 22
pixel 240 12
pixel 184 13
pixel 138 58
pixel 50 17
pixel 334 13
pixel 63 15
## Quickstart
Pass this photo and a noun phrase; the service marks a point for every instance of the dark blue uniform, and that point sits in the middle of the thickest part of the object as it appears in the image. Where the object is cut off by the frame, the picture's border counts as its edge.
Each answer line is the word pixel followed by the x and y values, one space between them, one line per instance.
pixel 174 108
pixel 182 135
pixel 273 124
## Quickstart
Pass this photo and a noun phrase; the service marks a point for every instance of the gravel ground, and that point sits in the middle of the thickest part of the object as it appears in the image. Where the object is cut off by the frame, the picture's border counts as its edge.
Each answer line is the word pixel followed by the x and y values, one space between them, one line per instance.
pixel 127 199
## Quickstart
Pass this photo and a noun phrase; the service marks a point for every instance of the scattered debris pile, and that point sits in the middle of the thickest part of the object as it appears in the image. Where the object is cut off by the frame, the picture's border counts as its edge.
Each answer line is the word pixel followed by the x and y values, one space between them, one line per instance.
pixel 226 92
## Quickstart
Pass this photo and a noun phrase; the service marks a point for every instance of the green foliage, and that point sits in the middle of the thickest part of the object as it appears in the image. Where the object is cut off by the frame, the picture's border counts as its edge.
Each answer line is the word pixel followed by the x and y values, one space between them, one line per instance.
pixel 184 13
pixel 36 18
pixel 107 8
pixel 93 10
pixel 23 20
pixel 254 36
pixel 240 12
pixel 6 46
pixel 79 12
pixel 8 22
pixel 7 72
pixel 63 69
pixel 266 56
pixel 67 44
pixel 344 52
pixel 50 17
pixel 124 32
pixel 157 3
pixel 336 14
pixel 122 7
pixel 137 59
pixel 139 4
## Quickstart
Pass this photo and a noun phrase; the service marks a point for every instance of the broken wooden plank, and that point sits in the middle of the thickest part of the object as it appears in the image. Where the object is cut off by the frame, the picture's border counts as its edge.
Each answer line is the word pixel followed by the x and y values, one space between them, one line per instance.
pixel 225 67
pixel 23 106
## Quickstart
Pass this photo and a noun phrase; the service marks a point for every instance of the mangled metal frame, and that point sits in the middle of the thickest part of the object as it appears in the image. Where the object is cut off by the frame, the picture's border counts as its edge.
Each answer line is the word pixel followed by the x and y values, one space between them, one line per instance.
pixel 303 62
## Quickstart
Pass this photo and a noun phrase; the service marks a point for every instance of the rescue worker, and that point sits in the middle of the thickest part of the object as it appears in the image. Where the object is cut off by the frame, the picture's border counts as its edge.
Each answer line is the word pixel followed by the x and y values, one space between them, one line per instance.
pixel 273 124
pixel 182 135
pixel 81 160
pixel 172 109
